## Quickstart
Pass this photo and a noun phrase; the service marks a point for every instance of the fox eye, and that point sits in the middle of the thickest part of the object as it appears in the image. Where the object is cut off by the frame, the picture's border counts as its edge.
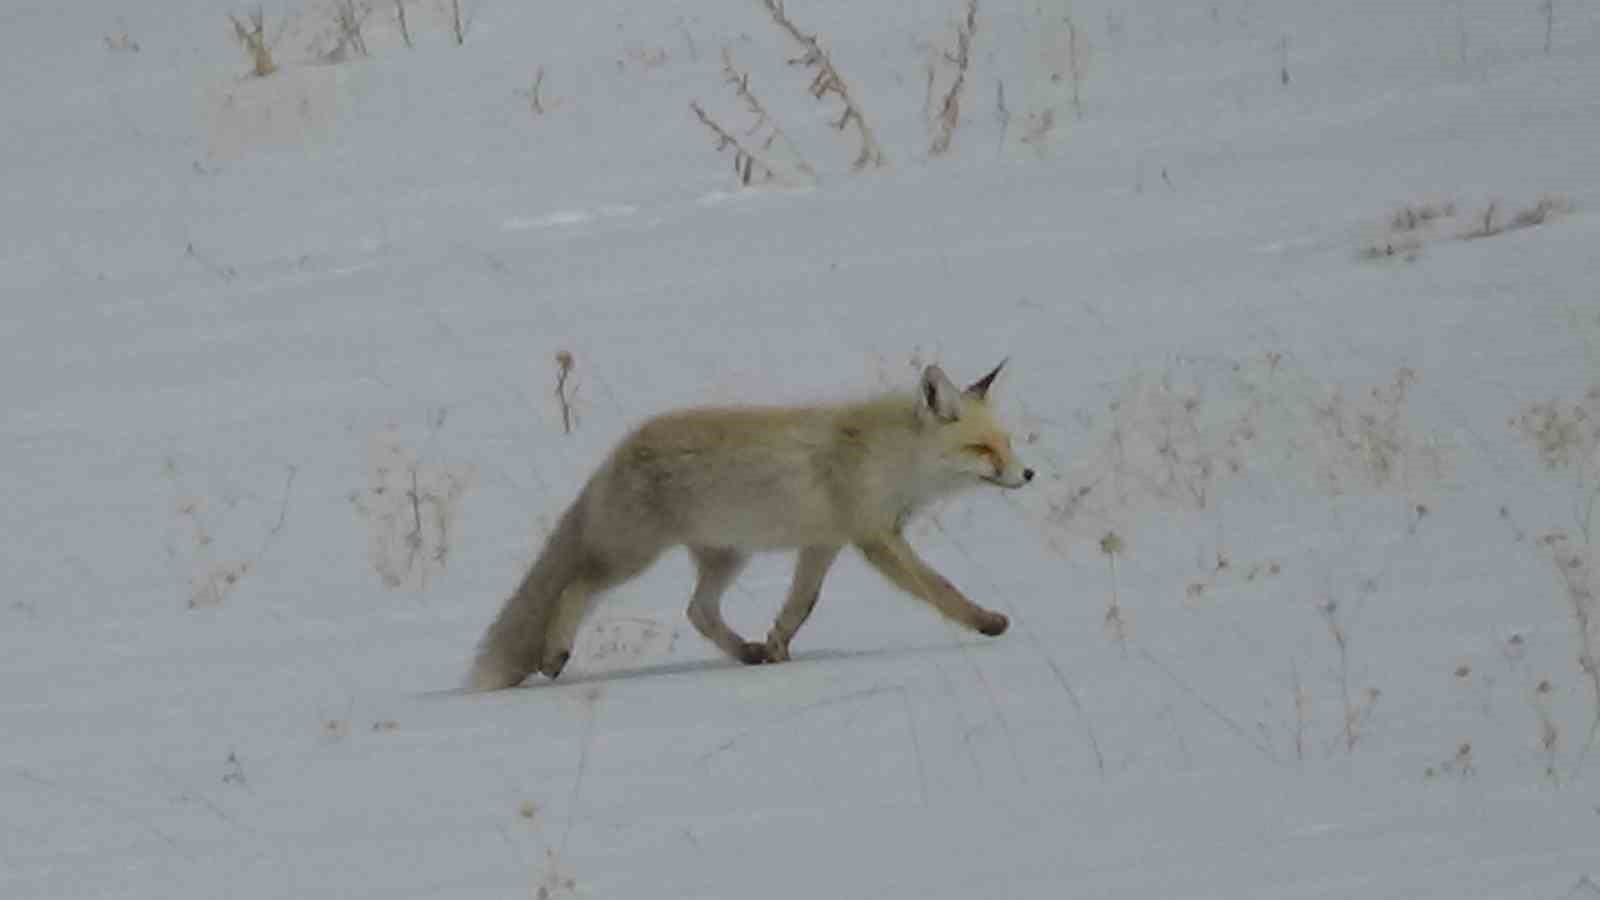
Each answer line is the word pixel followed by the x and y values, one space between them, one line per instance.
pixel 981 449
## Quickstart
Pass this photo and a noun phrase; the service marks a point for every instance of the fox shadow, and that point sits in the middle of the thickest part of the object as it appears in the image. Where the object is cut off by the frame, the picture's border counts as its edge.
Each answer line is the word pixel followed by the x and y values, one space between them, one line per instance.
pixel 573 679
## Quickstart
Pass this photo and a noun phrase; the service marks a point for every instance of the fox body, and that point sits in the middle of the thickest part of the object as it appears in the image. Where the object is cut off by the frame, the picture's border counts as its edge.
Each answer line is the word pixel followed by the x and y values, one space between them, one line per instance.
pixel 727 482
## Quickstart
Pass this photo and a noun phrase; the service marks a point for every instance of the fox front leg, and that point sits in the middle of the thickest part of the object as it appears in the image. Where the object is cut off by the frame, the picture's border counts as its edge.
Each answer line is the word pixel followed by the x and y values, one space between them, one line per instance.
pixel 893 557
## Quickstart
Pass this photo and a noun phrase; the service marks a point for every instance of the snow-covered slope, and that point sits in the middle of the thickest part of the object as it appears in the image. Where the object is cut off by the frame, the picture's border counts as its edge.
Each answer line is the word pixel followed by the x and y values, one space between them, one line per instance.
pixel 1297 601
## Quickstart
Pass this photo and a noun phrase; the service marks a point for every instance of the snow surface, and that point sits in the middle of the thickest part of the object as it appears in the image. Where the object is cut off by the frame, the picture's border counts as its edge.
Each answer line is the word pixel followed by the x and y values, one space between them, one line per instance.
pixel 278 366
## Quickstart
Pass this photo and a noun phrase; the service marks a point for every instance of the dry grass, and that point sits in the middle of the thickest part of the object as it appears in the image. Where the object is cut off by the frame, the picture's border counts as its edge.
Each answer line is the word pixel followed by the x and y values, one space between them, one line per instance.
pixel 747 166
pixel 1413 226
pixel 828 81
pixel 1569 437
pixel 1420 215
pixel 1077 64
pixel 252 36
pixel 411 507
pixel 459 23
pixel 405 29
pixel 1111 546
pixel 348 17
pixel 1548 207
pixel 1563 436
pixel 564 392
pixel 776 139
pixel 537 102
pixel 1460 765
pixel 959 60
pixel 762 151
pixel 1357 708
pixel 214 576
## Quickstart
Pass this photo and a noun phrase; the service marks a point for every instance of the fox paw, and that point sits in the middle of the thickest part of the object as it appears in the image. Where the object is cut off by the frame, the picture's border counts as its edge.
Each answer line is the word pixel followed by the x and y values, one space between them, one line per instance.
pixel 775 651
pixel 488 675
pixel 993 624
pixel 752 653
pixel 554 663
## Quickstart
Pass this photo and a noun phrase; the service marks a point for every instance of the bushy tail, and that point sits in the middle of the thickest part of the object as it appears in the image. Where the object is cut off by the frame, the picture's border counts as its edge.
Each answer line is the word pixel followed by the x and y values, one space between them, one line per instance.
pixel 513 646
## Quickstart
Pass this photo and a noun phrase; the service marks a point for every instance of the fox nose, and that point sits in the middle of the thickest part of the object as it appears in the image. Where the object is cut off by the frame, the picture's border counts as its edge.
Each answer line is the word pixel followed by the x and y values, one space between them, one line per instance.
pixel 1027 474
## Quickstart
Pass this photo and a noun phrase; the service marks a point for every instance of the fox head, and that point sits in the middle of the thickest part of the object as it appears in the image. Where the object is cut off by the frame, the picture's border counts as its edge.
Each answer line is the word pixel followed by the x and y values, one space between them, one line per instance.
pixel 971 443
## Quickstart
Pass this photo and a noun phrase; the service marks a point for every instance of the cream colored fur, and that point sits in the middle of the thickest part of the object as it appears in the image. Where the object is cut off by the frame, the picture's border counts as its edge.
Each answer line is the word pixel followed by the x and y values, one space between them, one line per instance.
pixel 727 482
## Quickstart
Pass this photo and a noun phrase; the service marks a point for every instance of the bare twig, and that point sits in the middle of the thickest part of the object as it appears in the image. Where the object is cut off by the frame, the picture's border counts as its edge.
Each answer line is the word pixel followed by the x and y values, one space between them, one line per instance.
pixel 458 25
pixel 1574 564
pixel 348 17
pixel 534 103
pixel 1330 614
pixel 740 81
pixel 1301 702
pixel 1001 114
pixel 564 372
pixel 828 81
pixel 1078 63
pixel 405 31
pixel 950 108
pixel 1356 713
pixel 1111 545
pixel 253 38
pixel 746 164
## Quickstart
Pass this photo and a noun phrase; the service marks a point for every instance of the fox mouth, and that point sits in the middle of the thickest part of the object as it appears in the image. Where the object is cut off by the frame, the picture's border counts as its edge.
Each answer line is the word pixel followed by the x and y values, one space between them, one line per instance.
pixel 1004 484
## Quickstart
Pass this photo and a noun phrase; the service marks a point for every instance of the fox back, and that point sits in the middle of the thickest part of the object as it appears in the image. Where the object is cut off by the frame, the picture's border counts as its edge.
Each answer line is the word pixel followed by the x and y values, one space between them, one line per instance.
pixel 762 478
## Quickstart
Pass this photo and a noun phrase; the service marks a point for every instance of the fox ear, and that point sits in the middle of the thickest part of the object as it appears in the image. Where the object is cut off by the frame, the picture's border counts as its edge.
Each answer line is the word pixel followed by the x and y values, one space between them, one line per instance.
pixel 980 389
pixel 940 398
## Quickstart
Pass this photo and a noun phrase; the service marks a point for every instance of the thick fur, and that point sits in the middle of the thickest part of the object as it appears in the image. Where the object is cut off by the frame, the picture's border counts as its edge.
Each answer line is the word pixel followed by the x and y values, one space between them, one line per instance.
pixel 726 482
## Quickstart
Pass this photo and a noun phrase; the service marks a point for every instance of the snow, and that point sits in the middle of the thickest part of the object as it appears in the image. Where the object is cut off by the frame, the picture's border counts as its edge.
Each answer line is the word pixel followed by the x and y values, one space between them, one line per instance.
pixel 249 320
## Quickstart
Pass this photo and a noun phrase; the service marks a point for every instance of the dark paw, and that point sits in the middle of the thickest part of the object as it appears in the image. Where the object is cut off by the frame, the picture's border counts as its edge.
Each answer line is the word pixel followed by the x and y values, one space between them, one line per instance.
pixel 993 625
pixel 552 667
pixel 753 654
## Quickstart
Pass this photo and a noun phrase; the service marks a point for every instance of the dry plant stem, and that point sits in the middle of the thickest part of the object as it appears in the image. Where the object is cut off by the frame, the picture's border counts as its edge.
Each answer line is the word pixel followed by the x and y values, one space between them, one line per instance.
pixel 1352 713
pixel 405 31
pixel 533 95
pixel 1549 732
pixel 1001 114
pixel 1114 611
pixel 745 162
pixel 414 539
pixel 457 24
pixel 1301 702
pixel 828 81
pixel 775 134
pixel 1078 62
pixel 563 372
pixel 348 19
pixel 1111 545
pixel 950 108
pixel 253 38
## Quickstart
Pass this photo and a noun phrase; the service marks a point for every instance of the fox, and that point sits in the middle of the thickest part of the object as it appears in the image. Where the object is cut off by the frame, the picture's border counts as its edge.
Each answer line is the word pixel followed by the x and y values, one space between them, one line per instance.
pixel 728 482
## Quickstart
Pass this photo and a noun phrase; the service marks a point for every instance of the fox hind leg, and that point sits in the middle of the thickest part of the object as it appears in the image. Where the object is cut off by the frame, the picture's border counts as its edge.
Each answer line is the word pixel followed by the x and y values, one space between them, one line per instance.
pixel 717 568
pixel 577 601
